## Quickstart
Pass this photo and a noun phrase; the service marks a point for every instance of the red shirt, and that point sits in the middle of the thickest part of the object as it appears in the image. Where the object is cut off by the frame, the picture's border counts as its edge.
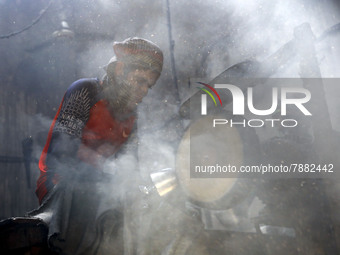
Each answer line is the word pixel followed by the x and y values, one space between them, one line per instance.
pixel 83 129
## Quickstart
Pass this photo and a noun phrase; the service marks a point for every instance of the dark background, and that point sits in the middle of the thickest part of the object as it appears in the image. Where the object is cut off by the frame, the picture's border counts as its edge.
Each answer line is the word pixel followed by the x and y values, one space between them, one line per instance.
pixel 209 36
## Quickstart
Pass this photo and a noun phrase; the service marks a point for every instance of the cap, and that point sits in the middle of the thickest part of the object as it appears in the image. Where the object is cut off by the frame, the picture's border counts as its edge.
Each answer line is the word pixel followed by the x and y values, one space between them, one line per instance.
pixel 140 52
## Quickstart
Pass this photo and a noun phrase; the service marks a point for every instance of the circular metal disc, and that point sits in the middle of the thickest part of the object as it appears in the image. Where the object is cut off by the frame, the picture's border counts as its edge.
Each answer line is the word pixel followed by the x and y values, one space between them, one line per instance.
pixel 209 146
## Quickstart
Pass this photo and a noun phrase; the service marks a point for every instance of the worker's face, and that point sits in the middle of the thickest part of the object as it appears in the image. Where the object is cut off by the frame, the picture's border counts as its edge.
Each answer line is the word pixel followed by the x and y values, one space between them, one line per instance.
pixel 140 81
pixel 133 85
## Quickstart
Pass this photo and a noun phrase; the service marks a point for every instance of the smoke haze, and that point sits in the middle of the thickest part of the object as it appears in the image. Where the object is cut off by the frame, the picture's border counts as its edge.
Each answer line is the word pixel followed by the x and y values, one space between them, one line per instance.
pixel 209 37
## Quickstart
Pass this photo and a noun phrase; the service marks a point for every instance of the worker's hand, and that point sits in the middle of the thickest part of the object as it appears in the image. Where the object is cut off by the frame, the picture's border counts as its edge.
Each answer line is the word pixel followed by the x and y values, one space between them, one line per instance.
pixel 106 150
pixel 91 157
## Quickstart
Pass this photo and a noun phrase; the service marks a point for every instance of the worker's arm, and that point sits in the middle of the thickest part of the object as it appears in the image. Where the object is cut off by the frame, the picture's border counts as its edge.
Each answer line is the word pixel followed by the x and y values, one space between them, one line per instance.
pixel 67 132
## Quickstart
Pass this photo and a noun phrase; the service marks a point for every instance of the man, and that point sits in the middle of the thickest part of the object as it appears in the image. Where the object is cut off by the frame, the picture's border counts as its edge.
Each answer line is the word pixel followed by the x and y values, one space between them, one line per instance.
pixel 94 120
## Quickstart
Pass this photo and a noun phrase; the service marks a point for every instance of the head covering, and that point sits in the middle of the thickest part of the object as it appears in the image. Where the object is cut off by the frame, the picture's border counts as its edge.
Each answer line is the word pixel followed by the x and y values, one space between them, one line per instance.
pixel 138 52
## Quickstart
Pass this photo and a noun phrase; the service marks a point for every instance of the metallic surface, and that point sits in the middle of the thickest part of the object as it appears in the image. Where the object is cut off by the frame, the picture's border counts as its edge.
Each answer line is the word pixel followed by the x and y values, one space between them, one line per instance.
pixel 164 181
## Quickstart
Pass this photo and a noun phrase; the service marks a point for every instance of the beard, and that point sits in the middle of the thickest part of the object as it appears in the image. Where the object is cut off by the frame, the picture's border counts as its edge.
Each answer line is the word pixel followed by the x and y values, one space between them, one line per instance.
pixel 121 99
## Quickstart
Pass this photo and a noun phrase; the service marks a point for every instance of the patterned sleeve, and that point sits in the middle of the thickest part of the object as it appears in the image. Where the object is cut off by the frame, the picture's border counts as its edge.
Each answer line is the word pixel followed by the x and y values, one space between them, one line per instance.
pixel 74 113
pixel 67 132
